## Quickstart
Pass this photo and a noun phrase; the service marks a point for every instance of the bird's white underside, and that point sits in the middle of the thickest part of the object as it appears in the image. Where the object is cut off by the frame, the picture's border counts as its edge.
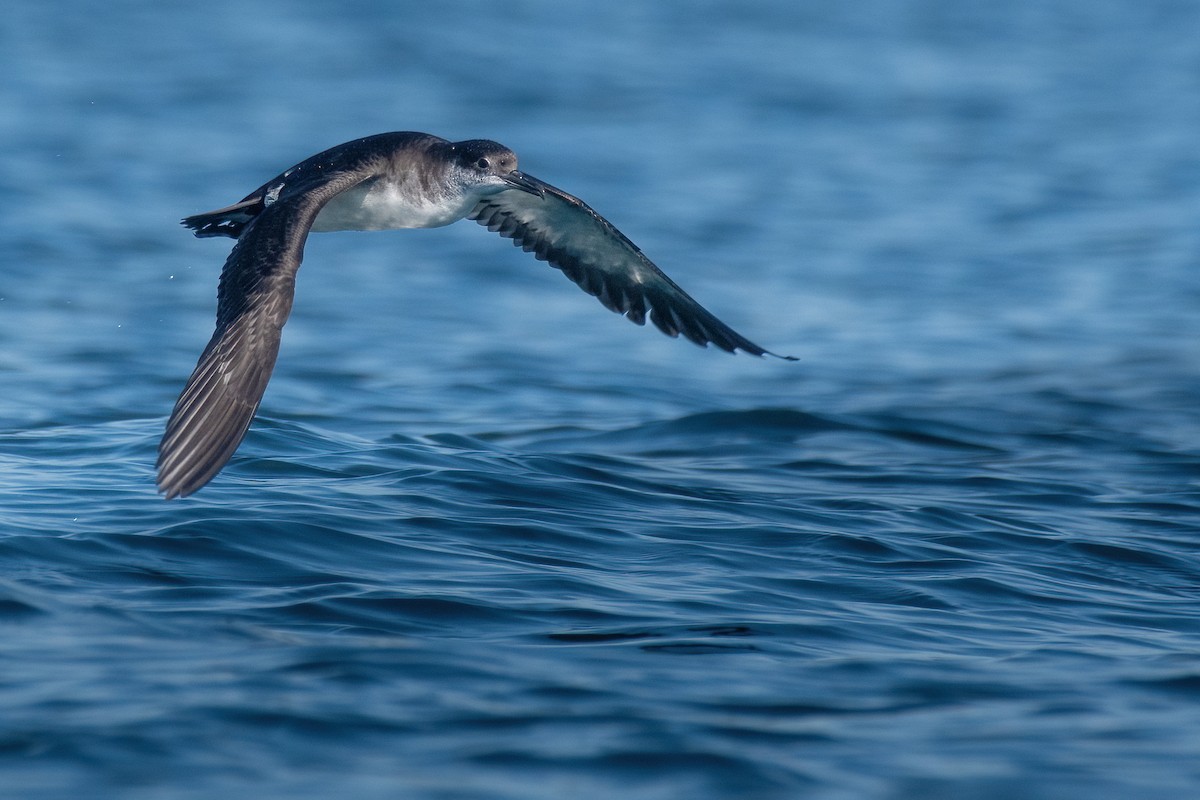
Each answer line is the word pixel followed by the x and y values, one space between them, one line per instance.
pixel 384 206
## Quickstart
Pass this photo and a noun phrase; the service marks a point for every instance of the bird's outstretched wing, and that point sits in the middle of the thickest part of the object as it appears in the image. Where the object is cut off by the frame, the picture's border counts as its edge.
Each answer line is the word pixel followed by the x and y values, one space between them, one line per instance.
pixel 564 231
pixel 253 302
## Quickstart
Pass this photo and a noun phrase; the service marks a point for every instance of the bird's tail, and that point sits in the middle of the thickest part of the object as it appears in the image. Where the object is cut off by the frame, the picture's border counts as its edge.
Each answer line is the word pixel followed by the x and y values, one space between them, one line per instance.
pixel 229 221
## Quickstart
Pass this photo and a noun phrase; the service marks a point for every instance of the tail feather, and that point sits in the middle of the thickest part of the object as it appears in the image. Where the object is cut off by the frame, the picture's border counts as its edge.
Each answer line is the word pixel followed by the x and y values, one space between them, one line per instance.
pixel 228 221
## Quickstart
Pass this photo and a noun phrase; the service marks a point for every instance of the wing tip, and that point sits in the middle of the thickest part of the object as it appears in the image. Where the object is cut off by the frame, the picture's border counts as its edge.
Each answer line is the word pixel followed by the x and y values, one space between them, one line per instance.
pixel 171 492
pixel 174 479
pixel 759 352
pixel 182 474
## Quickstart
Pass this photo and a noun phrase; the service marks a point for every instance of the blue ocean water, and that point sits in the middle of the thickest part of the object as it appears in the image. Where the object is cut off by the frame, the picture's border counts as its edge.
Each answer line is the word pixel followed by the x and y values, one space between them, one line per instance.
pixel 488 540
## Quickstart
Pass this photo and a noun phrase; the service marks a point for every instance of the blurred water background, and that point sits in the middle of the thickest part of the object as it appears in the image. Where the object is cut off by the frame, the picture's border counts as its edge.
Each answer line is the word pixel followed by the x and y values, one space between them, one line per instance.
pixel 488 540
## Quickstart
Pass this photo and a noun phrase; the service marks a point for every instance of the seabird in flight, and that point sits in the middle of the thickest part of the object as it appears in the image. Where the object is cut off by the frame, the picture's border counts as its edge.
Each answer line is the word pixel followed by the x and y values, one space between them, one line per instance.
pixel 382 182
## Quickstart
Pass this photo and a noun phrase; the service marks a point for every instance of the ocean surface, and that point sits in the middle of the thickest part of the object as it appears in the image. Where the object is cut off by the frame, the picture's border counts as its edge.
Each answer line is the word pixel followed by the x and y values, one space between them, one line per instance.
pixel 488 540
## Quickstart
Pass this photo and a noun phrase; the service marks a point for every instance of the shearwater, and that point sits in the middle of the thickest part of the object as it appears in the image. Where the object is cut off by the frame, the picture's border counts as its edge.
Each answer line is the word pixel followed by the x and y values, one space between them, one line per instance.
pixel 382 182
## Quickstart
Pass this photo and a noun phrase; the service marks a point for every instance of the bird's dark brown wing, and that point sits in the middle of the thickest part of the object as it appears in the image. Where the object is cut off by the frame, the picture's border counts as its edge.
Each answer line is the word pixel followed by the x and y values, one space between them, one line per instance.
pixel 567 233
pixel 255 297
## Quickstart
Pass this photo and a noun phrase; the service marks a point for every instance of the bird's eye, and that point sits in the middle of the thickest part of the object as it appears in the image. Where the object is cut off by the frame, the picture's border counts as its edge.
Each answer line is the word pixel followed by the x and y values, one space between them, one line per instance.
pixel 483 163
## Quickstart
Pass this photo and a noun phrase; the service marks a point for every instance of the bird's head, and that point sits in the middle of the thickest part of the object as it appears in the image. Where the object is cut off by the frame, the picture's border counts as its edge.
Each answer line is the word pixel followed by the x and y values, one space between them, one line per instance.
pixel 492 167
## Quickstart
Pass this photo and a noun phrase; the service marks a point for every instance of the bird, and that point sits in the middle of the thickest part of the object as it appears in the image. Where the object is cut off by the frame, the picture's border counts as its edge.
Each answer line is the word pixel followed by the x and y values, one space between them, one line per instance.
pixel 402 179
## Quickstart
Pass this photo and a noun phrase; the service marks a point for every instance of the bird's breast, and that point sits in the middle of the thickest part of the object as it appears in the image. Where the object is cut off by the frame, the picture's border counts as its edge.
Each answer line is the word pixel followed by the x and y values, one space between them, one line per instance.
pixel 381 206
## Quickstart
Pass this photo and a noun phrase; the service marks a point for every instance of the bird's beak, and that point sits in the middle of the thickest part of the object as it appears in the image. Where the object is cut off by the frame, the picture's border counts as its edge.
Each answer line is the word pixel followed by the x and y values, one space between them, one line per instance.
pixel 526 183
